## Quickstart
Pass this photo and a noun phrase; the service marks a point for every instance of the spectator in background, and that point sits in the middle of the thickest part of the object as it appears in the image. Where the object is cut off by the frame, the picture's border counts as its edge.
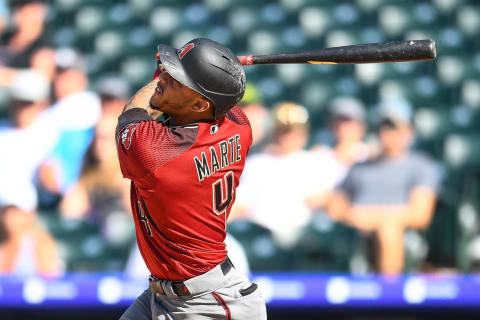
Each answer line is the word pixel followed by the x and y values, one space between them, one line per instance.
pixel 389 194
pixel 101 194
pixel 114 92
pixel 346 125
pixel 26 46
pixel 259 118
pixel 347 122
pixel 26 140
pixel 277 183
pixel 27 248
pixel 72 98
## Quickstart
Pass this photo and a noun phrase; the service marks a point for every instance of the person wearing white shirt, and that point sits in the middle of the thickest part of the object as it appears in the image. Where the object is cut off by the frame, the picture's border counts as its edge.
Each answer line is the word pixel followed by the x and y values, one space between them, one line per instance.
pixel 278 185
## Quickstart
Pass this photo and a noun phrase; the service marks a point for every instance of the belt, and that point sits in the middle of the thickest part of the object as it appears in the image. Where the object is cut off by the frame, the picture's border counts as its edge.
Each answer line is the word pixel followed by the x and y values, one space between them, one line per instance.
pixel 179 287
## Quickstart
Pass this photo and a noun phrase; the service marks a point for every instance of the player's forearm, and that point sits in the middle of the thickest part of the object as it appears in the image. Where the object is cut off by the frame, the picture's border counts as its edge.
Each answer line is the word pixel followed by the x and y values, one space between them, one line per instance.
pixel 141 99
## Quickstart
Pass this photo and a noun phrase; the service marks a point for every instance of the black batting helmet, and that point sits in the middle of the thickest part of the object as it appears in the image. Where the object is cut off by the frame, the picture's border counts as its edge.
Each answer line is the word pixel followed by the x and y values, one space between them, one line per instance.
pixel 208 68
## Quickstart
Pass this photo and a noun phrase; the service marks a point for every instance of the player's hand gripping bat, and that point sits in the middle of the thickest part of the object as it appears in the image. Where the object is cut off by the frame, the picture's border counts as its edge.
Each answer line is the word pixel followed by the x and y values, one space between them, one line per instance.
pixel 398 51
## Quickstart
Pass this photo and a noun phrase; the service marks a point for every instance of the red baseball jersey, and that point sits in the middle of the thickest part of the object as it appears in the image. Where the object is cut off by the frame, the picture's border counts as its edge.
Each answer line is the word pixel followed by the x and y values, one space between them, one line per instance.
pixel 183 187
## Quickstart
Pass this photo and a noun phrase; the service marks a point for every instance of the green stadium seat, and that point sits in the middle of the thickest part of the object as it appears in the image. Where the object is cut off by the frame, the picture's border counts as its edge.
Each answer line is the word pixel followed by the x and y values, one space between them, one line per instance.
pixel 118 14
pixel 393 19
pixel 262 252
pixel 424 14
pixel 325 246
pixel 272 89
pixel 196 15
pixel 461 151
pixel 294 38
pixel 449 40
pixel 470 93
pixel 220 34
pixel 441 236
pixel 67 5
pixel 273 14
pixel 78 242
pixel 346 13
pixel 416 250
pixel 447 6
pixel 138 69
pixel 164 20
pixel 314 21
pixel 89 20
pixel 219 5
pixel 431 123
pixel 110 44
pixel 242 20
pixel 370 34
pixel 468 19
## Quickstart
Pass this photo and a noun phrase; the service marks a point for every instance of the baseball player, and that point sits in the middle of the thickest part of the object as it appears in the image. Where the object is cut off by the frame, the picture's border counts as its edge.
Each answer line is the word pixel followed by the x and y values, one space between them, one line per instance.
pixel 184 168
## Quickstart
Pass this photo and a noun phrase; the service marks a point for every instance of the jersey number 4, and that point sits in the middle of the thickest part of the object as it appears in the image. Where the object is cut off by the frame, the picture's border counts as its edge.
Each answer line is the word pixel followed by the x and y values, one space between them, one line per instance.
pixel 222 191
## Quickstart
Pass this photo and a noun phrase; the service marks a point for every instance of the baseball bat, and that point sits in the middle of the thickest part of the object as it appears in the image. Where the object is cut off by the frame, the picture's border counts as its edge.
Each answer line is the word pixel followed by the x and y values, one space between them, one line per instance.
pixel 397 51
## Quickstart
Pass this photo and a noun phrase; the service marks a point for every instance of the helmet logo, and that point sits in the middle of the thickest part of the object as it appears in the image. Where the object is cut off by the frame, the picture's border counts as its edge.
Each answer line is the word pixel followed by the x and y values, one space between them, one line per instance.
pixel 184 50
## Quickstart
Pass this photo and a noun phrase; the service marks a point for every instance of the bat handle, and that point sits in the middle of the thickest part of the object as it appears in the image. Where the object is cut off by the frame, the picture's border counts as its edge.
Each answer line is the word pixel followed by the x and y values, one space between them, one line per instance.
pixel 246 60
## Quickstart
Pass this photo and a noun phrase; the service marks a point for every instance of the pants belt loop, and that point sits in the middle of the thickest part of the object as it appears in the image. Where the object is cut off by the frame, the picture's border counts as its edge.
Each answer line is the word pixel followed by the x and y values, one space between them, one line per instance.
pixel 167 288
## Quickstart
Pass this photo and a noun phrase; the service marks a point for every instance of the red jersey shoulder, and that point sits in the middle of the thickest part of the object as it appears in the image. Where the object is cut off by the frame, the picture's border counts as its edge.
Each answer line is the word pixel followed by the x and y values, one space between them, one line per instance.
pixel 238 116
pixel 145 146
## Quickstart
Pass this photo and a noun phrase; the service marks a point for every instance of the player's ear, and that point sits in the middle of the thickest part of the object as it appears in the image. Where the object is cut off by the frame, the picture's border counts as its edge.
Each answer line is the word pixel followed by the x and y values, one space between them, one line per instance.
pixel 201 105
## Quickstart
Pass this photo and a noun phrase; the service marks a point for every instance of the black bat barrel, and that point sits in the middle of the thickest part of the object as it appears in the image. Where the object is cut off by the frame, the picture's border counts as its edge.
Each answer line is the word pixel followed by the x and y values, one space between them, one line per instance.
pixel 398 51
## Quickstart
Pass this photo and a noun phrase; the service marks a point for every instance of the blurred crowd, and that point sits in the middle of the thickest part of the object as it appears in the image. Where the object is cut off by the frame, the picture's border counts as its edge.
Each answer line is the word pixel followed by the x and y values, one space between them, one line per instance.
pixel 354 188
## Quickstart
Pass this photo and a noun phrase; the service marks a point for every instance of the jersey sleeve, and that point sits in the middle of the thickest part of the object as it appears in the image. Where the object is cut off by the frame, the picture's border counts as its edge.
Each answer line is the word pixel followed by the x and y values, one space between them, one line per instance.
pixel 144 145
pixel 134 137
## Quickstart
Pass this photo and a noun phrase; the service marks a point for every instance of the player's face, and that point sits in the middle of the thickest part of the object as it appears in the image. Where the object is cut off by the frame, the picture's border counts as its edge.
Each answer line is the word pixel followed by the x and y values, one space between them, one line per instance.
pixel 172 97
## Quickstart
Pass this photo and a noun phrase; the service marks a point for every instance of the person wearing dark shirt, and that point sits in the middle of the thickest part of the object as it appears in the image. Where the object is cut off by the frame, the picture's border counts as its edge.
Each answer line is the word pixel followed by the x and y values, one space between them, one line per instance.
pixel 389 194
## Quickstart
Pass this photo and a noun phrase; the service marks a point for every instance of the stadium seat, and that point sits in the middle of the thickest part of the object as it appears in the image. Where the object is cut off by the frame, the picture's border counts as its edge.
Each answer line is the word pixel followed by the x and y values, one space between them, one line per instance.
pixel 138 69
pixel 325 245
pixel 262 252
pixel 89 20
